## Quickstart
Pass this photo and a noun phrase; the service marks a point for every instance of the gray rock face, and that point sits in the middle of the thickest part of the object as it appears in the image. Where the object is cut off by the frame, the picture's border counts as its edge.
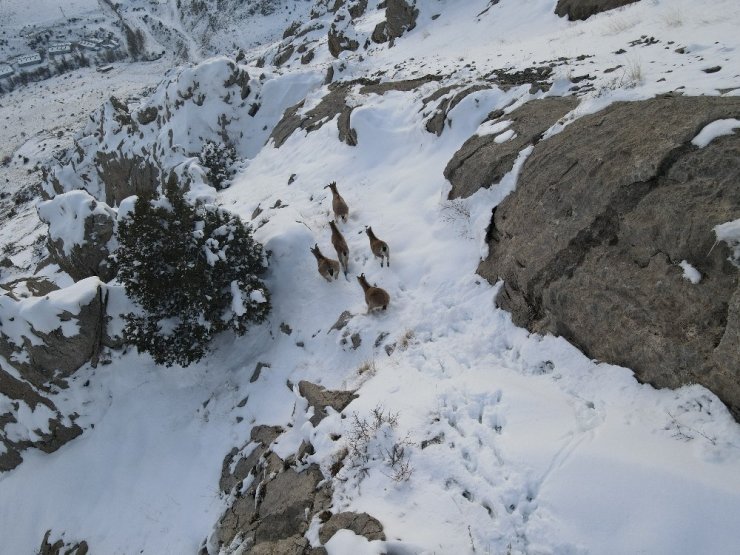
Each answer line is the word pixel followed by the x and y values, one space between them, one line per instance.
pixel 124 176
pixel 583 9
pixel 400 16
pixel 589 243
pixel 275 510
pixel 95 223
pixel 482 162
pixel 361 524
pixel 243 465
pixel 319 398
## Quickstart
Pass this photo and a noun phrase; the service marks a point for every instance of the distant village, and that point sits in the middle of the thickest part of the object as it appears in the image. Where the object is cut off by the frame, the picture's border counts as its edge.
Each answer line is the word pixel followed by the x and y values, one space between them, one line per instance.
pixel 46 55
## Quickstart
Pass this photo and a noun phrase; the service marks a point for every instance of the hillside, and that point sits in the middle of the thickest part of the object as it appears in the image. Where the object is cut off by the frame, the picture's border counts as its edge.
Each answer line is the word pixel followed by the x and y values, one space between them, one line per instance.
pixel 557 369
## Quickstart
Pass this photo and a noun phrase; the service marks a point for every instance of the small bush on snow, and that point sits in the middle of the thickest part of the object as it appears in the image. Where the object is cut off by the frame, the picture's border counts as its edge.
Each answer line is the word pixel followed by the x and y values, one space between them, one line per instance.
pixel 193 270
pixel 219 159
pixel 373 441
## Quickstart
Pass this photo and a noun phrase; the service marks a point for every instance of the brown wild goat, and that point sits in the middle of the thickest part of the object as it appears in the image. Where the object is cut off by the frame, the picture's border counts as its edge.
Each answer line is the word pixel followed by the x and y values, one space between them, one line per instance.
pixel 341 210
pixel 375 297
pixel 340 245
pixel 328 268
pixel 379 248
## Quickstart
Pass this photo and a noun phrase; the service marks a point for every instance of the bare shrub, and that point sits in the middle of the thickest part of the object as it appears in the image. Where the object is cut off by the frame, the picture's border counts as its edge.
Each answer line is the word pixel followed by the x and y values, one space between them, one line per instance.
pixel 371 441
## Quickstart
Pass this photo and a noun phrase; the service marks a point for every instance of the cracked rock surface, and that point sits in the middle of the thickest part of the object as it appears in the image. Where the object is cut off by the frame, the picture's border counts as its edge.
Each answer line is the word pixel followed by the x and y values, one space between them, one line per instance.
pixel 482 161
pixel 590 242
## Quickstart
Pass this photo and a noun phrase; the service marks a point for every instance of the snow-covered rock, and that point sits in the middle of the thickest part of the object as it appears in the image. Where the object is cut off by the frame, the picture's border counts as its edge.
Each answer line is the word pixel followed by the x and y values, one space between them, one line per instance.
pixel 80 234
pixel 134 149
pixel 48 338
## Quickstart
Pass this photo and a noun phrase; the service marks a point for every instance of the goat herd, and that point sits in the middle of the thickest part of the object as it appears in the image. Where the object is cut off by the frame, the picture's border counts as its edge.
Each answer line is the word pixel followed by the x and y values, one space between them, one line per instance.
pixel 375 297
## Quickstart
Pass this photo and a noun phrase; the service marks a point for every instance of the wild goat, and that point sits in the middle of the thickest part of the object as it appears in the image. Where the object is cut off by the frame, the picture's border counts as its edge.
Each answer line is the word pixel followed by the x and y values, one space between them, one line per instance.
pixel 328 268
pixel 375 297
pixel 340 245
pixel 341 210
pixel 379 248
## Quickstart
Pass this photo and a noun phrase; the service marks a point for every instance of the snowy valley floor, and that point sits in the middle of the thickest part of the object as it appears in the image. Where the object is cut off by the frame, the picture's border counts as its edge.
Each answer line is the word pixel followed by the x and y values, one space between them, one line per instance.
pixel 529 446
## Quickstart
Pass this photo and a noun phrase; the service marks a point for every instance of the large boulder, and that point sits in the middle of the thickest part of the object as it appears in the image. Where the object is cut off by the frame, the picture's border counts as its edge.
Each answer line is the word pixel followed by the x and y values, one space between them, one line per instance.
pixel 319 398
pixel 80 231
pixel 400 16
pixel 583 9
pixel 593 243
pixel 361 524
pixel 483 160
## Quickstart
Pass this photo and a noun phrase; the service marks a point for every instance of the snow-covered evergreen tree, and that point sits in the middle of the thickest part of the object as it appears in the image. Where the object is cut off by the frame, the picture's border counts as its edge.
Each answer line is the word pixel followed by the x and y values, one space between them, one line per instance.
pixel 219 159
pixel 193 270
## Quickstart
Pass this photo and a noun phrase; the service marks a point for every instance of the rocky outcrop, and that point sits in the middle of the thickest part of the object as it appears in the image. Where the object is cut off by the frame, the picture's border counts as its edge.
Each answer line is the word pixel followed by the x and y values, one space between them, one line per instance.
pixel 589 244
pixel 43 341
pixel 331 106
pixel 356 8
pixel 59 429
pixel 483 161
pixel 62 547
pixel 47 338
pixel 338 41
pixel 238 464
pixel 80 229
pixel 273 500
pixel 124 176
pixel 400 16
pixel 274 511
pixel 583 9
pixel 319 398
pixel 335 104
pixel 436 123
pixel 283 55
pixel 361 524
pixel 33 286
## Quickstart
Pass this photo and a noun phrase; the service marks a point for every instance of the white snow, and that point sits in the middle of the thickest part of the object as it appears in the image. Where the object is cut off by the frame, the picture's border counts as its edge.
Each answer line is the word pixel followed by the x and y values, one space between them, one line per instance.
pixel 492 127
pixel 717 128
pixel 346 541
pixel 505 136
pixel 690 273
pixel 538 449
pixel 729 232
pixel 237 302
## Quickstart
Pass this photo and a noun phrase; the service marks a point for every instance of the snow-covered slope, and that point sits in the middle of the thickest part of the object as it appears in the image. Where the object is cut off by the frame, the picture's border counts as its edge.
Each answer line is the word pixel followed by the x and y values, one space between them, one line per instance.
pixel 515 442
